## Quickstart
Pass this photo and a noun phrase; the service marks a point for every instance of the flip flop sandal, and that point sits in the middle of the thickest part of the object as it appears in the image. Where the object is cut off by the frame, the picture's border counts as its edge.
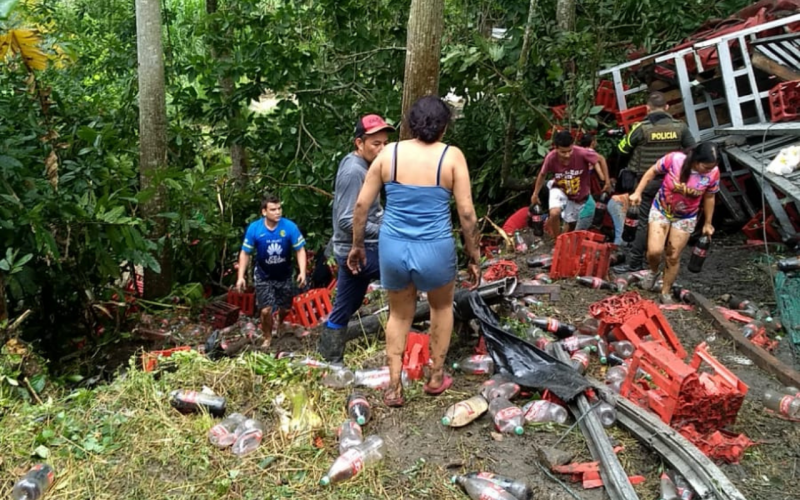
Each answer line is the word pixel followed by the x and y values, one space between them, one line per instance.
pixel 393 402
pixel 447 381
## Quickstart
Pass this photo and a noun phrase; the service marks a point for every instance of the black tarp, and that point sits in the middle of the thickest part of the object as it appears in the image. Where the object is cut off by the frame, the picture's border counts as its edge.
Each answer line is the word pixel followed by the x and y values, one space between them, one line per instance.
pixel 526 364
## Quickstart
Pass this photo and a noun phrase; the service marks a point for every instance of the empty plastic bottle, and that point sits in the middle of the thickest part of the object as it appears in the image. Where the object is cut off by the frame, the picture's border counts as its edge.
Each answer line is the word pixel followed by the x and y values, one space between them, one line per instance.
pixel 540 261
pixel 507 416
pixel 699 254
pixel 615 360
pixel 788 406
pixel 522 313
pixel 537 217
pixel 552 325
pixel 358 408
pixel 306 361
pixel 685 491
pixel 681 294
pixel 579 360
pixel 482 489
pixel 600 209
pixel 602 349
pixel 597 283
pixel 338 377
pixel 352 462
pixel 543 277
pixel 616 373
pixel 34 484
pixel 377 378
pixel 578 342
pixel 790 264
pixel 531 301
pixel 604 411
pixel 192 401
pixel 589 326
pixel 544 411
pixel 349 434
pixel 739 304
pixel 519 243
pixel 223 434
pixel 752 329
pixel 669 490
pixel 518 488
pixel 621 282
pixel 792 391
pixel 631 223
pixel 622 348
pixel 477 364
pixel 248 437
pixel 499 386
pixel 464 412
pixel 543 341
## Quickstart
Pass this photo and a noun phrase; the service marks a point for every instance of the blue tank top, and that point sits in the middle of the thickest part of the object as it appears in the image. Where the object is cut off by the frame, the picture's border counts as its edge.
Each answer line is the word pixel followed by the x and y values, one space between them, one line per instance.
pixel 417 212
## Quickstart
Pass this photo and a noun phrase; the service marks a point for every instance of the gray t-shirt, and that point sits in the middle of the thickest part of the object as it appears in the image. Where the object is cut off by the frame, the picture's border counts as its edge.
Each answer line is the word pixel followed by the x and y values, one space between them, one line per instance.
pixel 349 179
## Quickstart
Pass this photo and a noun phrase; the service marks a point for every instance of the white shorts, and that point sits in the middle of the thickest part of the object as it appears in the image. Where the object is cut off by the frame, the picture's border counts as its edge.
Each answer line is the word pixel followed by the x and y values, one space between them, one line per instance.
pixel 570 210
pixel 685 225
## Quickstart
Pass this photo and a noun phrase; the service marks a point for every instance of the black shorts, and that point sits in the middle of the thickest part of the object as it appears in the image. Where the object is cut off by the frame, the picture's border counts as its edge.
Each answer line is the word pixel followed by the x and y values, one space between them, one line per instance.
pixel 275 294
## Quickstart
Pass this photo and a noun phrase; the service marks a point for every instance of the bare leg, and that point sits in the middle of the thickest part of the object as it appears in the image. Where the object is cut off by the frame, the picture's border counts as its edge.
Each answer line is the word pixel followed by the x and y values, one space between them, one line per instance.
pixel 656 238
pixel 555 221
pixel 266 326
pixel 441 302
pixel 402 305
pixel 281 317
pixel 675 245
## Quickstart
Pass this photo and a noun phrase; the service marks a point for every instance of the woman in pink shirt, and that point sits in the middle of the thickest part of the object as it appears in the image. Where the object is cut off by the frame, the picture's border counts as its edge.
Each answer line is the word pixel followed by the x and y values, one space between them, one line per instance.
pixel 689 179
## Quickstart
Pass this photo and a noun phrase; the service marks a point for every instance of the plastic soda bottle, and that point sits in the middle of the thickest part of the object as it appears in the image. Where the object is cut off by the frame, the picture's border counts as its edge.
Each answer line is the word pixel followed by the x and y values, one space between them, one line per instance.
pixel 482 489
pixel 578 342
pixel 377 378
pixel 788 406
pixel 464 412
pixel 600 208
pixel 223 434
pixel 544 411
pixel 519 243
pixel 597 283
pixel 516 487
pixel 499 387
pixel 589 326
pixel 602 349
pixel 358 408
pixel 790 264
pixel 477 364
pixel 553 325
pixel 604 411
pixel 507 416
pixel 248 437
pixel 349 434
pixel 681 294
pixel 540 261
pixel 34 484
pixel 622 348
pixel 352 462
pixel 192 401
pixel 537 219
pixel 338 377
pixel 579 360
pixel 699 254
pixel 631 224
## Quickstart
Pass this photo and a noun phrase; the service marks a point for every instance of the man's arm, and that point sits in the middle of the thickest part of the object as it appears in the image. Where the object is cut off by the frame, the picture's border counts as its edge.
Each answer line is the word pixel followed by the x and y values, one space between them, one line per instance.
pixel 301 263
pixel 602 172
pixel 537 186
pixel 630 141
pixel 244 261
pixel 370 190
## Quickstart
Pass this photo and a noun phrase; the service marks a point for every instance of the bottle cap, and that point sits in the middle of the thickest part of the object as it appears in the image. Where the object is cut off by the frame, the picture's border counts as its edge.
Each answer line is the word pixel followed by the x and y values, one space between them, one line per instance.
pixel 455 366
pixel 361 420
pixel 603 360
pixel 325 481
pixel 519 430
pixel 446 421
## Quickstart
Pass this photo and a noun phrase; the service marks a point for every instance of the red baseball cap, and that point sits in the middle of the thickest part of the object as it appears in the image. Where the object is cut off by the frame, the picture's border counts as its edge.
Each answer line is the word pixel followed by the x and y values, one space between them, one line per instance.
pixel 371 124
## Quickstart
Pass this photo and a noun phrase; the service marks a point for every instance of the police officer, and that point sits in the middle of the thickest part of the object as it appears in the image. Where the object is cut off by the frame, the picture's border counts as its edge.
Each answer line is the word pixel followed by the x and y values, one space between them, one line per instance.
pixel 658 134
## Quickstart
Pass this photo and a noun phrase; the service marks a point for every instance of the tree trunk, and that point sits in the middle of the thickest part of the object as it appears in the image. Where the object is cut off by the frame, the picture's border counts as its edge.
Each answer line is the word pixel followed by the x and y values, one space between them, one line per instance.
pixel 565 15
pixel 511 126
pixel 423 51
pixel 153 139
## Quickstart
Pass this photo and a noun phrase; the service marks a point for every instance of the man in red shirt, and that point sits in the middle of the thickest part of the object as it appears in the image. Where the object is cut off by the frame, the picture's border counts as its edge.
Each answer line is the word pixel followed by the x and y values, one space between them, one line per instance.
pixel 571 167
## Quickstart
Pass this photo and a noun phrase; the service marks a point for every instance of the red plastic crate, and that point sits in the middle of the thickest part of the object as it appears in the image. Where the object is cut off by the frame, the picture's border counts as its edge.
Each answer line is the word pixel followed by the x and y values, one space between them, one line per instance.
pixel 630 116
pixel 607 97
pixel 754 228
pixel 417 354
pixel 559 111
pixel 581 253
pixel 220 314
pixel 650 322
pixel 784 101
pixel 150 359
pixel 308 309
pixel 246 301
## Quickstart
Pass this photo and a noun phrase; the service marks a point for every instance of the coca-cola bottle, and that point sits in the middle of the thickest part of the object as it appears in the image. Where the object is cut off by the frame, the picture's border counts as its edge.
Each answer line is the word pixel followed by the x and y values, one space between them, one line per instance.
pixel 223 434
pixel 537 217
pixel 540 261
pixel 358 408
pixel 602 350
pixel 604 411
pixel 338 377
pixel 350 435
pixel 507 416
pixel 377 378
pixel 577 342
pixel 519 243
pixel 622 348
pixel 597 283
pixel 752 329
pixel 631 224
pixel 352 462
pixel 192 401
pixel 34 484
pixel 589 326
pixel 552 325
pixel 791 391
pixel 248 437
pixel 464 412
pixel 532 301
pixel 600 208
pixel 544 411
pixel 482 489
pixel 543 278
pixel 699 254
pixel 518 488
pixel 499 386
pixel 543 341
pixel 579 360
pixel 681 294
pixel 788 406
pixel 477 364
pixel 790 264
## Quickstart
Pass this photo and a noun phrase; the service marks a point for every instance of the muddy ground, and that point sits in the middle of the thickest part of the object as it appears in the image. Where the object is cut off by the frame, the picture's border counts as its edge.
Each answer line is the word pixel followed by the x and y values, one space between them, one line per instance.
pixel 768 471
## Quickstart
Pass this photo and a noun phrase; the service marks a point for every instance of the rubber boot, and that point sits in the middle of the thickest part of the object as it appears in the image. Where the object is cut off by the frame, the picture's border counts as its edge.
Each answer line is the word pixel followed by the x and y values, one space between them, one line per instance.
pixel 331 344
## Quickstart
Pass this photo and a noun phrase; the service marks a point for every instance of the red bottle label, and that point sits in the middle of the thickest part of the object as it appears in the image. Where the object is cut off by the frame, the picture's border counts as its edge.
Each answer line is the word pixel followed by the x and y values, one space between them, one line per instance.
pixel 493 492
pixel 464 406
pixel 356 401
pixel 508 413
pixel 534 410
pixel 596 282
pixel 700 252
pixel 786 403
pixel 552 325
pixel 357 463
pixel 190 397
pixel 631 222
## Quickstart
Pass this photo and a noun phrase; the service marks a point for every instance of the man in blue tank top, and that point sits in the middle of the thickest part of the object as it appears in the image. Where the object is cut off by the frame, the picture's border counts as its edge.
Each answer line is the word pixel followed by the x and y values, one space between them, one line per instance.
pixel 273 238
pixel 371 135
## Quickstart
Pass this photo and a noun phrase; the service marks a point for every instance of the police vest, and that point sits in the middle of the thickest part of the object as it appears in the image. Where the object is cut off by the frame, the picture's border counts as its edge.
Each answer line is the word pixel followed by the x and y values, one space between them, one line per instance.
pixel 657 141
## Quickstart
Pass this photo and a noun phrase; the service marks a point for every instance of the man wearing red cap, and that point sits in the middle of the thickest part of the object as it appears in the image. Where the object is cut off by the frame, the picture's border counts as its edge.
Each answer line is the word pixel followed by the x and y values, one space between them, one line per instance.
pixel 371 135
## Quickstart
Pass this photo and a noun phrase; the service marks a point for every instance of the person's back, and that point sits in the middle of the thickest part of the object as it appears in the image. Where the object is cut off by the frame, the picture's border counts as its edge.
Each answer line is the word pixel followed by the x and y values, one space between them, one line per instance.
pixel 418 190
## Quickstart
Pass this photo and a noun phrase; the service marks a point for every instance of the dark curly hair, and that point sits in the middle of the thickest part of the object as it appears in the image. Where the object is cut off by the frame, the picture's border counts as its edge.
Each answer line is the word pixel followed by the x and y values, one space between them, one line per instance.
pixel 428 118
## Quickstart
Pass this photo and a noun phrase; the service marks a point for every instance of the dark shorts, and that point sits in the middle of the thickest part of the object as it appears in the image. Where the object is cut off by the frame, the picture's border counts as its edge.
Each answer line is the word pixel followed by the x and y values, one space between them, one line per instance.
pixel 275 294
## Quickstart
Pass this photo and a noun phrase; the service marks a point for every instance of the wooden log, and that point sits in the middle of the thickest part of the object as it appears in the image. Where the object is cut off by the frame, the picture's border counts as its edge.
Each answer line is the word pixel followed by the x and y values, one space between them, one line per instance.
pixel 759 356
pixel 767 65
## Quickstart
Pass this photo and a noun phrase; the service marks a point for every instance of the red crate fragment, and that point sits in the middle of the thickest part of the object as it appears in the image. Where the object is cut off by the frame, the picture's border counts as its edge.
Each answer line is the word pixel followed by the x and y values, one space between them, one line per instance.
pixel 784 101
pixel 150 359
pixel 246 301
pixel 559 111
pixel 630 116
pixel 650 323
pixel 220 314
pixel 309 308
pixel 417 354
pixel 754 229
pixel 581 253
